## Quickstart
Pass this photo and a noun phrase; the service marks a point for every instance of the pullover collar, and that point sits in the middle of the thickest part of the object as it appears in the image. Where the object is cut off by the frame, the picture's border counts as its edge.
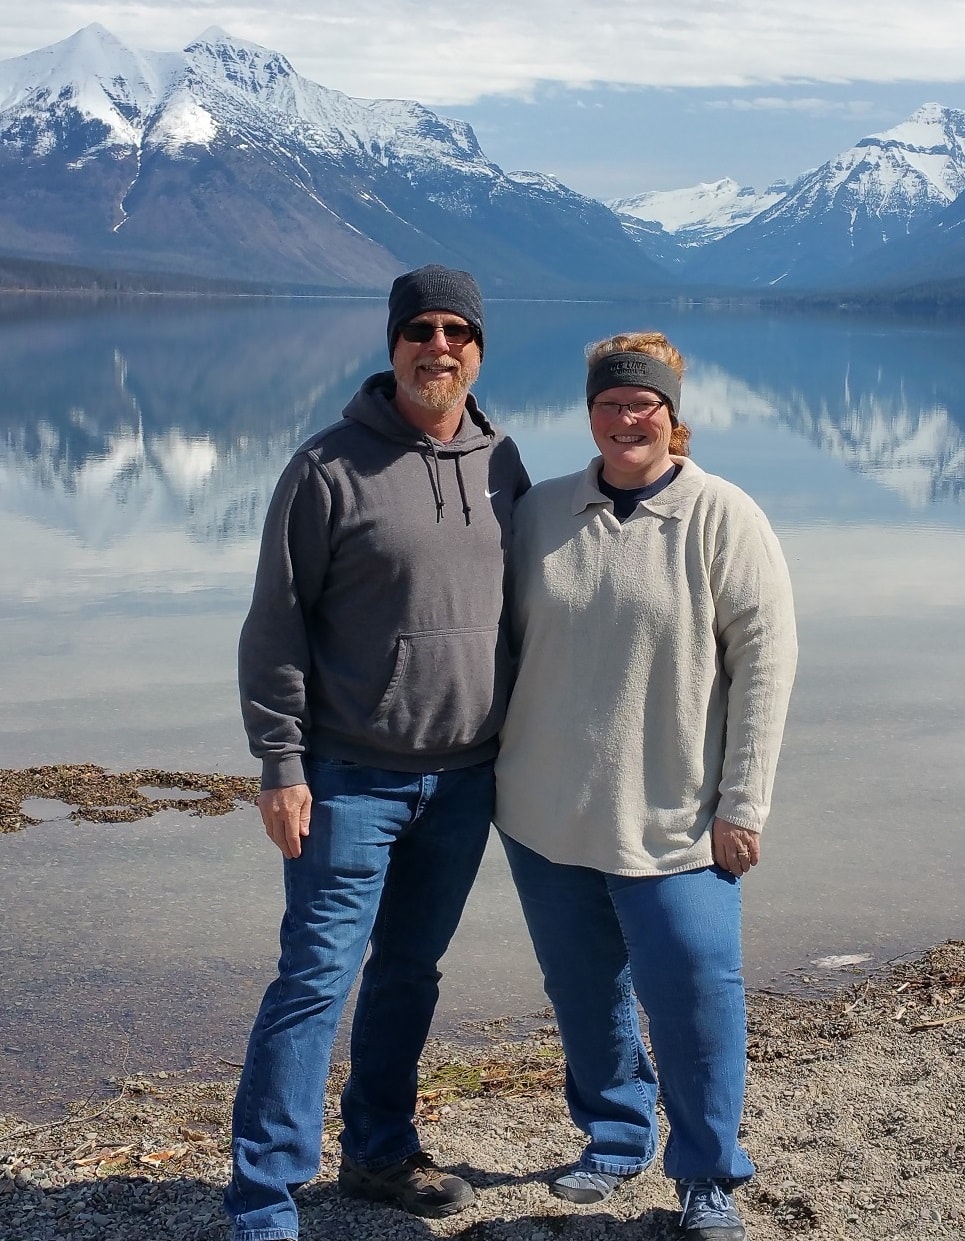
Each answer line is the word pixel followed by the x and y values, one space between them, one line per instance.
pixel 675 501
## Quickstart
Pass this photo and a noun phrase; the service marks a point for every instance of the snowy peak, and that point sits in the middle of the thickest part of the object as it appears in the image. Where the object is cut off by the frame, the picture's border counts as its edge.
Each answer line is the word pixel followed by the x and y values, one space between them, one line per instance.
pixel 91 53
pixel 700 213
pixel 930 128
pixel 93 76
pixel 867 198
pixel 899 176
pixel 246 67
pixel 882 189
pixel 327 120
pixel 91 61
pixel 930 144
pixel 548 186
pixel 106 94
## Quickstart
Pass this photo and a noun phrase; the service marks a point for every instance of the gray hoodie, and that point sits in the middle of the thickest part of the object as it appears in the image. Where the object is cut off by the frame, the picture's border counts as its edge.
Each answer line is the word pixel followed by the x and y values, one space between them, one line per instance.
pixel 375 632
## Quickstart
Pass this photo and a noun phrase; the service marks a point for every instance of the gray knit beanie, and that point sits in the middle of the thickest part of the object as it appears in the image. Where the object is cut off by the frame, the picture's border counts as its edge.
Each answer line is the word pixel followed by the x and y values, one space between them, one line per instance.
pixel 434 288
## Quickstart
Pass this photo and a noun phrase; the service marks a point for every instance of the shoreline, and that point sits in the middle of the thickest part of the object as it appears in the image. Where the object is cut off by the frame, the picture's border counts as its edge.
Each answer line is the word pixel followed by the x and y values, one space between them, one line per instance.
pixel 855 1116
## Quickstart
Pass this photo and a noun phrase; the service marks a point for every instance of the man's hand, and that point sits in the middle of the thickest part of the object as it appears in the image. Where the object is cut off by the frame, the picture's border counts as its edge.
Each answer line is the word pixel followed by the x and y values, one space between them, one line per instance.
pixel 286 814
pixel 736 849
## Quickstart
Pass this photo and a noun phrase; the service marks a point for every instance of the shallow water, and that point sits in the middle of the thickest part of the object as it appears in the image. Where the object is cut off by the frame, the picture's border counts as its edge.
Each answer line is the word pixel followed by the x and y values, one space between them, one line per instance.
pixel 144 946
pixel 138 450
pixel 115 961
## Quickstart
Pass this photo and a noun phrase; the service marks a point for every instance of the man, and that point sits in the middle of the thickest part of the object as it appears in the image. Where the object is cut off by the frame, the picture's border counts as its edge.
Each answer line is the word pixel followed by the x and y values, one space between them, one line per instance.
pixel 374 674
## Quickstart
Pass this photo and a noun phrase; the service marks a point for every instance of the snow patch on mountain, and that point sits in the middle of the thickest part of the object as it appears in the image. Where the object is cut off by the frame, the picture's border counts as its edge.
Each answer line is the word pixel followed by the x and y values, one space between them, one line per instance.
pixel 700 213
pixel 183 123
pixel 551 188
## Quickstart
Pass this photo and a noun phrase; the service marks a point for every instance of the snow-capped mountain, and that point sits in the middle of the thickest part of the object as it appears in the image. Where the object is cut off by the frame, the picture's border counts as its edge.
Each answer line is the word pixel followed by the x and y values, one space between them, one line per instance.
pixel 934 253
pixel 221 161
pixel 91 82
pixel 698 215
pixel 882 189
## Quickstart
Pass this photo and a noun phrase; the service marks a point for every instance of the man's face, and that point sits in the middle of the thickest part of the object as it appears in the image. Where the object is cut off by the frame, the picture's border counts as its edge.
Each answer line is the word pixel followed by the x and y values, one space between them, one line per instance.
pixel 436 374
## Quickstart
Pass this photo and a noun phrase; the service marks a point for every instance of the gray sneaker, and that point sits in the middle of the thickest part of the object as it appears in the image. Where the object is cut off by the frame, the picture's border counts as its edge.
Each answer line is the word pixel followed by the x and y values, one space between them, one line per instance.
pixel 415 1184
pixel 708 1212
pixel 584 1186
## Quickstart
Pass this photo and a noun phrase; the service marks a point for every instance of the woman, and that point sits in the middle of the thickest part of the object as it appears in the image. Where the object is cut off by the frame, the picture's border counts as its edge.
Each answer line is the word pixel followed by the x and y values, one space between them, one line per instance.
pixel 654 621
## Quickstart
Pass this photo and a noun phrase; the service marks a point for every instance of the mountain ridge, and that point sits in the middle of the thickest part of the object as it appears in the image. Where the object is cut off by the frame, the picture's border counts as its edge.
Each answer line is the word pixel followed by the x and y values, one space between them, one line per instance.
pixel 851 207
pixel 694 216
pixel 222 160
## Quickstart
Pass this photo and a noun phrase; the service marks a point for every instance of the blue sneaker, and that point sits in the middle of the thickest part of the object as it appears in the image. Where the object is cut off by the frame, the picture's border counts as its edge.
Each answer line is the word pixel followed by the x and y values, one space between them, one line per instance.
pixel 708 1212
pixel 584 1186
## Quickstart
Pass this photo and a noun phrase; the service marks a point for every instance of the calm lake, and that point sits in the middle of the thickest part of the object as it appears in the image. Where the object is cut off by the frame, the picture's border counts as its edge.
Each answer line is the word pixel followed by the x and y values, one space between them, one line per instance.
pixel 140 443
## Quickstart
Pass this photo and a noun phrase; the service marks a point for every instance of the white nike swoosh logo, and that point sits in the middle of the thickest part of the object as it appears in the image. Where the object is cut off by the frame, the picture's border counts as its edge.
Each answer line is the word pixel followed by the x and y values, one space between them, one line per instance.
pixel 489 494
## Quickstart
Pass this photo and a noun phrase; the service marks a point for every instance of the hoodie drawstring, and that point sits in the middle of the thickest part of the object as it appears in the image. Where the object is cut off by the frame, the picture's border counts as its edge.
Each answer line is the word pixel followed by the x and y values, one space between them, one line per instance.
pixel 435 481
pixel 466 507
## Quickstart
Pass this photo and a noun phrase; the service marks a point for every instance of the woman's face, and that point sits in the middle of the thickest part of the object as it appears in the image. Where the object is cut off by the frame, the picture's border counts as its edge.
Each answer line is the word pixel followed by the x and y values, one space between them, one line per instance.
pixel 635 446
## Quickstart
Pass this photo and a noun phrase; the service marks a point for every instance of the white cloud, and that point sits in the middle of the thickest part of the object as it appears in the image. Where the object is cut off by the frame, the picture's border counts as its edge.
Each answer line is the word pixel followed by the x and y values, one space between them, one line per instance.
pixel 805 106
pixel 439 54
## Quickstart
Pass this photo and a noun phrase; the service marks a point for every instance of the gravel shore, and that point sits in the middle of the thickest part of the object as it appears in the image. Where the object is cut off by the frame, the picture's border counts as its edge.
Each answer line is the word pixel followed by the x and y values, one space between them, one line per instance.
pixel 855 1116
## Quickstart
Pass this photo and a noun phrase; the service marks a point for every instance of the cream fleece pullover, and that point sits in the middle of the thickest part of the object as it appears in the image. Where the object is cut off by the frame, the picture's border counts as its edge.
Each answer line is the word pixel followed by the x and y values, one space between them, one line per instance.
pixel 656 662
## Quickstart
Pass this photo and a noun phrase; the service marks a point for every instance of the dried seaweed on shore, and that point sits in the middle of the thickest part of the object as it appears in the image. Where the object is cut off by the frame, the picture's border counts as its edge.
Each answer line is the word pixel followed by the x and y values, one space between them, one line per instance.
pixel 96 795
pixel 914 995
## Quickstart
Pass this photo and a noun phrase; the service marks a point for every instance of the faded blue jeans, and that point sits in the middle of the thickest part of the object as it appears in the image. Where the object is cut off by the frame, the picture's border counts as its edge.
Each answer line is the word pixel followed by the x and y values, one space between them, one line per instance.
pixel 390 857
pixel 674 941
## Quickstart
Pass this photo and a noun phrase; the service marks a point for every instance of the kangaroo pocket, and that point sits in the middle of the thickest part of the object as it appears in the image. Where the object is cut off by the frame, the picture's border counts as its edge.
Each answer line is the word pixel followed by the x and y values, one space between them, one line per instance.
pixel 448 690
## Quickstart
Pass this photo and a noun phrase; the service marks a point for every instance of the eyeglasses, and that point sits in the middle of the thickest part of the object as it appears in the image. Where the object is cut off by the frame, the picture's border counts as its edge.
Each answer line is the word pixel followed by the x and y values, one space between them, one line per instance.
pixel 420 333
pixel 611 409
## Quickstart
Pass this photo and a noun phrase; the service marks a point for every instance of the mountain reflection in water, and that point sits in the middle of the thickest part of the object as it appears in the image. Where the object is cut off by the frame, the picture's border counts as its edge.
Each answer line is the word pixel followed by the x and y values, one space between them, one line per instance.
pixel 139 445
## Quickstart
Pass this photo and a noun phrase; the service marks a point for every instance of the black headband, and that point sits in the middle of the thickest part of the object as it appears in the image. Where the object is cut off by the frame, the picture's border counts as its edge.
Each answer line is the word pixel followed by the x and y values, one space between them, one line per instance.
pixel 633 370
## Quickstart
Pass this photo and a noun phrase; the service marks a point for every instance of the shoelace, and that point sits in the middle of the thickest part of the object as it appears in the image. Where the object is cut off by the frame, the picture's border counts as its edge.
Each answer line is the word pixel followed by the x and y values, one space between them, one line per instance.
pixel 710 1200
pixel 584 1178
pixel 423 1162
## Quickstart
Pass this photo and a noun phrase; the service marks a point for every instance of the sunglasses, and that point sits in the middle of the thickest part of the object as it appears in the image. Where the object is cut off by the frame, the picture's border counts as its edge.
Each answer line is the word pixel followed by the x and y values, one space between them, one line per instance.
pixel 422 333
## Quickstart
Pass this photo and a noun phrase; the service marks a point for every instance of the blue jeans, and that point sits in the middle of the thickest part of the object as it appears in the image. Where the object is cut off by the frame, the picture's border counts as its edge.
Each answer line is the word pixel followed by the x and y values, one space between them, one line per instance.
pixel 390 858
pixel 675 942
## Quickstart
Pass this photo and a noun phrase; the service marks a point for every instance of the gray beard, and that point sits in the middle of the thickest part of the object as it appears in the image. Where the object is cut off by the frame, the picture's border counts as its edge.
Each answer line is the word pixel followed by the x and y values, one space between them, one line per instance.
pixel 439 396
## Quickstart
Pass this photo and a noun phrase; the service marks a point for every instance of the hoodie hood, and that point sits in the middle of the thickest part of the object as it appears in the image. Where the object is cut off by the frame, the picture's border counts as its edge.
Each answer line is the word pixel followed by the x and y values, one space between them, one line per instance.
pixel 372 407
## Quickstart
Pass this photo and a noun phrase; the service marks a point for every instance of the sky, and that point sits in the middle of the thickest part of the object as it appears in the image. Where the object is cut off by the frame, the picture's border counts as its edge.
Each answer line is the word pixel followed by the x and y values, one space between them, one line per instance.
pixel 614 98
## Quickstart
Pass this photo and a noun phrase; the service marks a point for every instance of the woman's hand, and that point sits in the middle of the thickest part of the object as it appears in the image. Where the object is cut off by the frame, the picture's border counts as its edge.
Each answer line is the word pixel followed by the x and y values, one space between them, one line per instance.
pixel 736 849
